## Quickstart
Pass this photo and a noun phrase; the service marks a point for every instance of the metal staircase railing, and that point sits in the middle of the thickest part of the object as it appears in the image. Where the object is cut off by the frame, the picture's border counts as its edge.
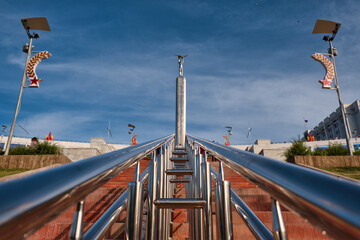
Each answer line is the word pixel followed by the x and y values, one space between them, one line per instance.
pixel 328 202
pixel 28 203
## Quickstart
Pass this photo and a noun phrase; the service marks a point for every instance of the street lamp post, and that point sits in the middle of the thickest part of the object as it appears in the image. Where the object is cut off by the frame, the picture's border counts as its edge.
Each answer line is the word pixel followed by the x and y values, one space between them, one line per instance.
pixel 39 23
pixel 323 26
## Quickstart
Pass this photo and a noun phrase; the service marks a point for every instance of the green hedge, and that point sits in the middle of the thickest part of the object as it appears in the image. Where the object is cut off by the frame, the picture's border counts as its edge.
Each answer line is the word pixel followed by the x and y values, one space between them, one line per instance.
pixel 298 148
pixel 44 148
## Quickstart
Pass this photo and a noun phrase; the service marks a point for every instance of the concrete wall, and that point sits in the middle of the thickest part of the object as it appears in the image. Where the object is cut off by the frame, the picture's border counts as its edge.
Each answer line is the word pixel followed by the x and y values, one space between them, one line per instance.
pixel 76 150
pixel 276 150
pixel 66 144
pixel 31 161
pixel 328 161
pixel 76 154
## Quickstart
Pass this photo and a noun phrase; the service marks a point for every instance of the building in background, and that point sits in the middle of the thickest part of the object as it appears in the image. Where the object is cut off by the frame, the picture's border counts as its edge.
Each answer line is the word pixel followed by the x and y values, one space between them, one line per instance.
pixel 332 127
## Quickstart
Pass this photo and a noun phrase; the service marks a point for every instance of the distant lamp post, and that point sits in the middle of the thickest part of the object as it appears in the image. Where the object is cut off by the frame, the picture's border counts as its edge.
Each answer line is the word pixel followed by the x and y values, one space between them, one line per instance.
pixel 38 23
pixel 132 138
pixel 227 142
pixel 324 26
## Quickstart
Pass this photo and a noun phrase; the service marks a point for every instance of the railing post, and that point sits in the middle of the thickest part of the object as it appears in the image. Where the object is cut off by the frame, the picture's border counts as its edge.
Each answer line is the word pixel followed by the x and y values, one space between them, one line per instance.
pixel 208 203
pixel 138 210
pixel 161 193
pixel 166 193
pixel 150 230
pixel 279 229
pixel 227 211
pixel 219 193
pixel 219 209
pixel 76 232
pixel 129 228
pixel 137 172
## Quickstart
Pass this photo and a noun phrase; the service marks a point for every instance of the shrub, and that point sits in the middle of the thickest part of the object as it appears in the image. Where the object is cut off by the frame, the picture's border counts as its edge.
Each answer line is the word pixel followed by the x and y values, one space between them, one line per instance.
pixel 356 153
pixel 319 152
pixel 22 150
pixel 297 148
pixel 47 148
pixel 44 148
pixel 336 149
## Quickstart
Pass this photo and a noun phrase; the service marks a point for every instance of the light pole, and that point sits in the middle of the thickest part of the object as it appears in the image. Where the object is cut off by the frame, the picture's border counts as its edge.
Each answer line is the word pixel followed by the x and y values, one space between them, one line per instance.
pixel 323 26
pixel 38 23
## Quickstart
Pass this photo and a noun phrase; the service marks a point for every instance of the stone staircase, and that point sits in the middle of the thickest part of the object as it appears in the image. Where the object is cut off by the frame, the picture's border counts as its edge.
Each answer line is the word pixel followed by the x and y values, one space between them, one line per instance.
pixel 258 200
pixel 260 203
pixel 95 205
pixel 180 225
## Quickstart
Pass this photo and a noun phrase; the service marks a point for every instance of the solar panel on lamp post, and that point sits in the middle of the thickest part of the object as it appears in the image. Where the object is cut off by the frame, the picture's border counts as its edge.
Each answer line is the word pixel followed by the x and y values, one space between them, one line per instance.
pixel 37 23
pixel 324 26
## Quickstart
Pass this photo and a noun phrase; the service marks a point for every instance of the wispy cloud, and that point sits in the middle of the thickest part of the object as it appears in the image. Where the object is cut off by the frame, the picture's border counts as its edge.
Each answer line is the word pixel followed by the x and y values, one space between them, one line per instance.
pixel 114 61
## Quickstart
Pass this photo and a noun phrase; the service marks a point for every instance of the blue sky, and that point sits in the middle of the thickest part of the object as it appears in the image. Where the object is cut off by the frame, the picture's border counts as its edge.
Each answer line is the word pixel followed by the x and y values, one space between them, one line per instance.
pixel 248 65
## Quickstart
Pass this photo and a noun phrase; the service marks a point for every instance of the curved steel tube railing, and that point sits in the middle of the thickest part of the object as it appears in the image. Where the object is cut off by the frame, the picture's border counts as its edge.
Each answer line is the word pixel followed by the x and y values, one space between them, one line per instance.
pixel 258 228
pixel 26 204
pixel 98 229
pixel 331 203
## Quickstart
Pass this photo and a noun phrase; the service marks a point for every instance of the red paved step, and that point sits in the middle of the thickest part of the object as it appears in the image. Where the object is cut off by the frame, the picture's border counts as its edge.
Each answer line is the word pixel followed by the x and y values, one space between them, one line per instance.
pixel 96 204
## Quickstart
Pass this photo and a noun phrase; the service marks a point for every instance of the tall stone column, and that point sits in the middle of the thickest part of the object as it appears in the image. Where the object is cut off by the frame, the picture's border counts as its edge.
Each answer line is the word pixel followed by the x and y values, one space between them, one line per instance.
pixel 180 130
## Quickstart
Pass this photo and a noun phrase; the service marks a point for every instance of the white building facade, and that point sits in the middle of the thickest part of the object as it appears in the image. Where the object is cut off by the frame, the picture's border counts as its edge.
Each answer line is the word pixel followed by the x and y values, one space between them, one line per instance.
pixel 332 127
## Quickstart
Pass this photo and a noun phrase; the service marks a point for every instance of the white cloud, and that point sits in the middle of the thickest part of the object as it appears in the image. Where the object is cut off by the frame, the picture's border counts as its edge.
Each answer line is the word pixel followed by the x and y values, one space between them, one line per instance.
pixel 61 124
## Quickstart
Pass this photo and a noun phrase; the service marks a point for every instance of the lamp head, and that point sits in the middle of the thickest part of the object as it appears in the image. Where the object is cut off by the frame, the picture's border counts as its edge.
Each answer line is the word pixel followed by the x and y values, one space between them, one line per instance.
pixel 37 23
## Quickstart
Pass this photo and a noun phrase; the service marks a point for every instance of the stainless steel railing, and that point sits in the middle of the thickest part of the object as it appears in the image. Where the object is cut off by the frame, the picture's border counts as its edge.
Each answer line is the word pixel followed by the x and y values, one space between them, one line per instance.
pixel 328 202
pixel 27 204
pixel 100 228
pixel 258 228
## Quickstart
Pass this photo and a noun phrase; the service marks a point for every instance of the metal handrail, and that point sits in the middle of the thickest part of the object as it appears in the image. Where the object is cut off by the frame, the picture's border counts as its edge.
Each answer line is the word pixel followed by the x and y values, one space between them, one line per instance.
pixel 329 202
pixel 258 228
pixel 98 229
pixel 28 203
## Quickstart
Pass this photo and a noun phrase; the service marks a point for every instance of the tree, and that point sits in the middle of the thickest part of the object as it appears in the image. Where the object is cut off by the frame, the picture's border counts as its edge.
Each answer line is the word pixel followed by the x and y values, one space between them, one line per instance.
pixel 297 148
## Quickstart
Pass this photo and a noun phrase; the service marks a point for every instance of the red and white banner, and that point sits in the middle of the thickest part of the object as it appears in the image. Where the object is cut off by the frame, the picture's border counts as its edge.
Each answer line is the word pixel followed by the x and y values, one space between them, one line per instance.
pixel 31 67
pixel 329 69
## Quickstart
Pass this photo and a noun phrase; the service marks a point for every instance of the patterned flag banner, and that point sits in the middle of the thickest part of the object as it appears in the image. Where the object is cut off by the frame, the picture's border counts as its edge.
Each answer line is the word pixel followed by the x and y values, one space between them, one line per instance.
pixel 329 67
pixel 31 67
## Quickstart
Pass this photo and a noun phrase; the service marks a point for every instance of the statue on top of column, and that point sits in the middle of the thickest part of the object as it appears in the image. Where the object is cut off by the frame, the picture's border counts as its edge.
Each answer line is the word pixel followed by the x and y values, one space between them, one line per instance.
pixel 181 62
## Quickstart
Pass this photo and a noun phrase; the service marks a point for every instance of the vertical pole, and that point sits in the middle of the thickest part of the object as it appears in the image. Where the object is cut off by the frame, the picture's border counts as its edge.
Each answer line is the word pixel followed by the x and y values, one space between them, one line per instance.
pixel 8 144
pixel 166 188
pixel 279 229
pixel 150 200
pixel 129 228
pixel 208 202
pixel 219 210
pixel 138 211
pixel 137 172
pixel 227 211
pixel 342 107
pixel 76 231
pixel 195 194
pixel 161 188
pixel 151 229
pixel 219 193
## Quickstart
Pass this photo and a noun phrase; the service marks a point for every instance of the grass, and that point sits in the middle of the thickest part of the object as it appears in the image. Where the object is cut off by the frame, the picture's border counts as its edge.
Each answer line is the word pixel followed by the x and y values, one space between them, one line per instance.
pixel 351 172
pixel 7 172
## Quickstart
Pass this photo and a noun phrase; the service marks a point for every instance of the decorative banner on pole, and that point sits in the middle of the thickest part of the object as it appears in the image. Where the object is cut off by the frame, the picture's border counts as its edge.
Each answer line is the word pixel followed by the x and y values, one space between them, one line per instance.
pixel 49 137
pixel 227 142
pixel 133 140
pixel 34 61
pixel 329 69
